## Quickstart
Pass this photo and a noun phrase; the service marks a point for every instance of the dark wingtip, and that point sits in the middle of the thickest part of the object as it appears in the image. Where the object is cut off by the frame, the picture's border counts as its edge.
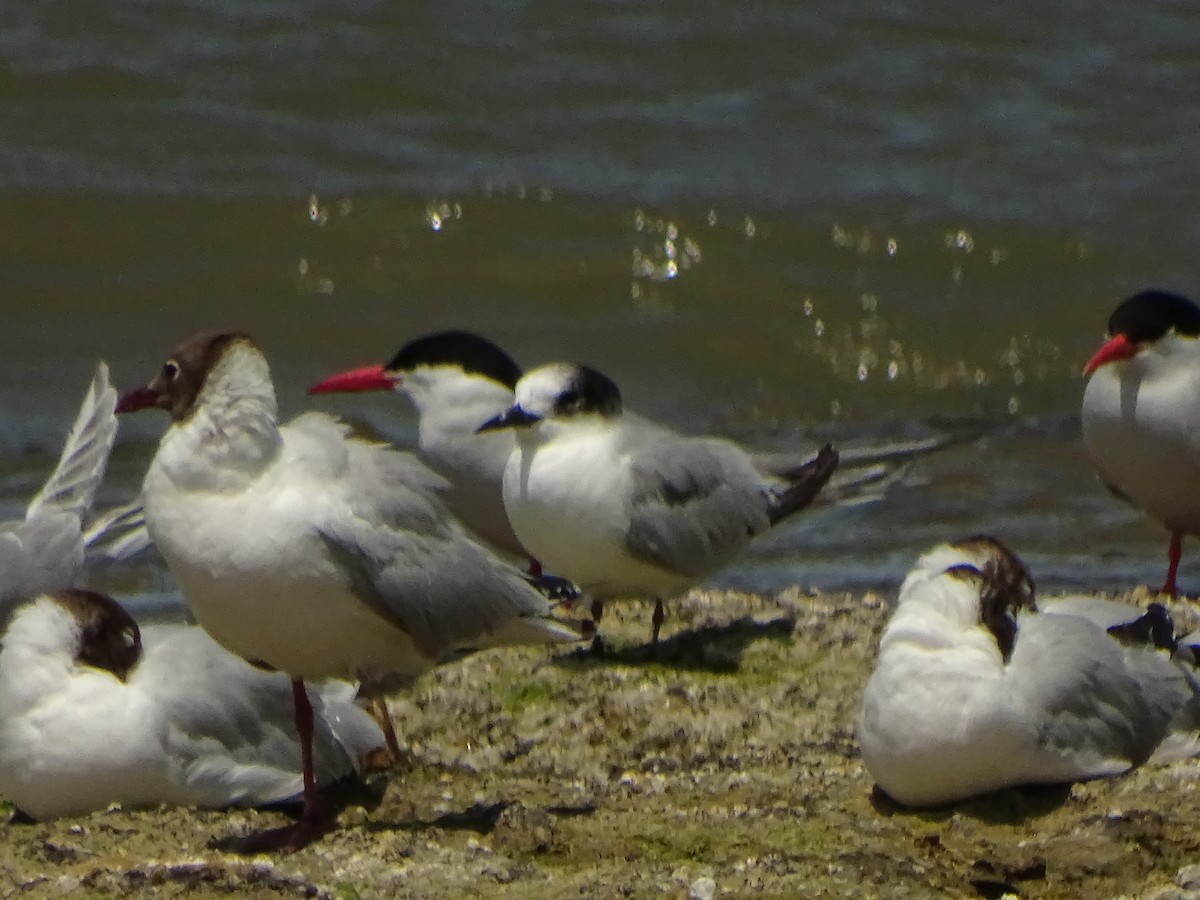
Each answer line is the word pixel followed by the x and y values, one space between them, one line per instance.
pixel 805 483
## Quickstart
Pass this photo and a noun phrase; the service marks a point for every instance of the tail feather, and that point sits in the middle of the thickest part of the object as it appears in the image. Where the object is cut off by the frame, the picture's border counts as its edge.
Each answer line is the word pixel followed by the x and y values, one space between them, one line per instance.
pixel 864 474
pixel 804 484
pixel 72 486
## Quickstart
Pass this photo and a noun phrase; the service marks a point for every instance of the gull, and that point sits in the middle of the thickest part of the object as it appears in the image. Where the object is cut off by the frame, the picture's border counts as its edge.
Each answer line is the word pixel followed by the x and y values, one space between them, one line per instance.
pixel 302 549
pixel 976 689
pixel 1140 410
pixel 94 711
pixel 624 507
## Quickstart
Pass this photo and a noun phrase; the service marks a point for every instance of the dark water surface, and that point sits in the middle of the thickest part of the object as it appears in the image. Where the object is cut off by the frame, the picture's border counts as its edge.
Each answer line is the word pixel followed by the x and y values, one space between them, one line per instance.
pixel 780 222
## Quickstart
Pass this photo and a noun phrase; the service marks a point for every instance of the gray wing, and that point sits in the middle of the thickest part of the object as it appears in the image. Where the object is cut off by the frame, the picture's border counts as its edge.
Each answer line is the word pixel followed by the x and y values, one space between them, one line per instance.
pixel 1100 610
pixel 230 727
pixel 1094 699
pixel 695 502
pixel 416 567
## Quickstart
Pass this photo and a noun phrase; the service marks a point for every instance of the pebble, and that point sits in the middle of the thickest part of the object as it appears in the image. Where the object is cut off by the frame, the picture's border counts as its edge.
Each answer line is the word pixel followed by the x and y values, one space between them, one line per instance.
pixel 1189 877
pixel 702 889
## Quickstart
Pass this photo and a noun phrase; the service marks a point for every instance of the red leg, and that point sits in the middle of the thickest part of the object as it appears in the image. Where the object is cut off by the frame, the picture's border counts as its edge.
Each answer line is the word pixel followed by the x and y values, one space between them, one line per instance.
pixel 1174 553
pixel 304 725
pixel 379 711
pixel 312 822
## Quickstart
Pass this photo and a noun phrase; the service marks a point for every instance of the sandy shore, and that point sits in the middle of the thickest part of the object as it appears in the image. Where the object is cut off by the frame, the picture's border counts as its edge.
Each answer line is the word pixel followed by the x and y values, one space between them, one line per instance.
pixel 728 768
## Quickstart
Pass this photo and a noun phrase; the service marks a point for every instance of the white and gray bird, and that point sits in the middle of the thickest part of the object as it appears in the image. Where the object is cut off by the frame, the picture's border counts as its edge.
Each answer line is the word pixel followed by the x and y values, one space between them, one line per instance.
pixel 624 507
pixel 456 381
pixel 1141 407
pixel 94 712
pixel 298 547
pixel 976 689
pixel 44 551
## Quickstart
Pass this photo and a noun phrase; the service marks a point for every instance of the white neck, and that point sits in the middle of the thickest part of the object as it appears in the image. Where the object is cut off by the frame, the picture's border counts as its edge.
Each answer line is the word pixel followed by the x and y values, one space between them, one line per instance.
pixel 449 401
pixel 936 609
pixel 233 431
pixel 38 654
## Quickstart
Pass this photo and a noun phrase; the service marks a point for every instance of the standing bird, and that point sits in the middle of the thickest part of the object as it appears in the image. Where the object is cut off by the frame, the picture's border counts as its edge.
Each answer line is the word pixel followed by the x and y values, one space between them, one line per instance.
pixel 1141 412
pixel 44 551
pixel 302 549
pixel 456 380
pixel 624 507
pixel 976 689
pixel 95 711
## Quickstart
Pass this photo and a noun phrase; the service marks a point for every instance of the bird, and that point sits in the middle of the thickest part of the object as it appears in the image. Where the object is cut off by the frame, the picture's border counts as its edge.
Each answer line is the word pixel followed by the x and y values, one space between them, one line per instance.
pixel 977 687
pixel 317 554
pixel 44 551
pixel 456 380
pixel 624 507
pixel 95 711
pixel 1140 407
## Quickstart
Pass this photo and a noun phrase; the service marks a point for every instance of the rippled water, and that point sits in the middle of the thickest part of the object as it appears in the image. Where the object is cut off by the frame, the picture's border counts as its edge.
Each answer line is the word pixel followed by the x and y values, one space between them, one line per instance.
pixel 784 223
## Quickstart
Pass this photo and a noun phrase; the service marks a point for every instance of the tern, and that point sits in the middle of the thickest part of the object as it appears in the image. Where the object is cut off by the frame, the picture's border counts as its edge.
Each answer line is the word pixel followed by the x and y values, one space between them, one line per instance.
pixel 44 551
pixel 316 554
pixel 1141 407
pixel 624 507
pixel 456 381
pixel 94 711
pixel 977 689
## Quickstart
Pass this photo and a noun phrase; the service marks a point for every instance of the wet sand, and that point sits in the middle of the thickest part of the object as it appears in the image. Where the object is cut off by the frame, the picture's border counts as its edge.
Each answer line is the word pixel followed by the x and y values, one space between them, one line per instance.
pixel 539 774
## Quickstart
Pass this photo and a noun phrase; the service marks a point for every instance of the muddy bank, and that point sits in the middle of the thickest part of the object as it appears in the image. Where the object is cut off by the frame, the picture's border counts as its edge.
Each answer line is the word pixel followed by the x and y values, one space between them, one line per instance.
pixel 726 768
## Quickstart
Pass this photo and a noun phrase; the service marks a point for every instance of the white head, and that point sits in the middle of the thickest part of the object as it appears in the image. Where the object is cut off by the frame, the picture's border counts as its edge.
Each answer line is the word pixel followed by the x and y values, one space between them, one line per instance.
pixel 560 392
pixel 975 581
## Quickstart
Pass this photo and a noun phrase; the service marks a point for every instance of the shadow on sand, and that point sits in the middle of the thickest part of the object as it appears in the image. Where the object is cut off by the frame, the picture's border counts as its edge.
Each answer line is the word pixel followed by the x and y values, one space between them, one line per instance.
pixel 709 648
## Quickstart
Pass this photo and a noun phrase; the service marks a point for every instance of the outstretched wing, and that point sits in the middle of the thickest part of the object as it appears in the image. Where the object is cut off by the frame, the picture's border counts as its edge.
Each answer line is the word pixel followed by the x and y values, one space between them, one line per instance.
pixel 44 551
pixel 72 485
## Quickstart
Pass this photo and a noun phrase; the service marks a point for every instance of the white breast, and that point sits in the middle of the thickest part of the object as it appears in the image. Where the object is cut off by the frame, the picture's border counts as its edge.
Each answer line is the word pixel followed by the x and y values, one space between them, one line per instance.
pixel 1141 427
pixel 568 501
pixel 256 574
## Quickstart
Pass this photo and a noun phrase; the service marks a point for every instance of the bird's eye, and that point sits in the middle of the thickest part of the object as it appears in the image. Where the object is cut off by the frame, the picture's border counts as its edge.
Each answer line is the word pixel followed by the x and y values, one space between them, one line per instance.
pixel 170 370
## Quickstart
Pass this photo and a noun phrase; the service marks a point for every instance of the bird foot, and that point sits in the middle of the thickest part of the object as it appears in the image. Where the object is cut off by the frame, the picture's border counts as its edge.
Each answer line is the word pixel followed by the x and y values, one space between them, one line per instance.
pixel 288 839
pixel 561 591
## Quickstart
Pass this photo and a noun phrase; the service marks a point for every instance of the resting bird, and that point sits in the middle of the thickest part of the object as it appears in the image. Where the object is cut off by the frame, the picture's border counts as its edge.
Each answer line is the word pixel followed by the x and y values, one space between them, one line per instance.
pixel 976 689
pixel 94 712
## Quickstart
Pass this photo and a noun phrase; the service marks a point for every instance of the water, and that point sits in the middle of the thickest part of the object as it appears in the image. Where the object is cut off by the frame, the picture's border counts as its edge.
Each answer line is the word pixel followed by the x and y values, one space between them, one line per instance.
pixel 786 224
